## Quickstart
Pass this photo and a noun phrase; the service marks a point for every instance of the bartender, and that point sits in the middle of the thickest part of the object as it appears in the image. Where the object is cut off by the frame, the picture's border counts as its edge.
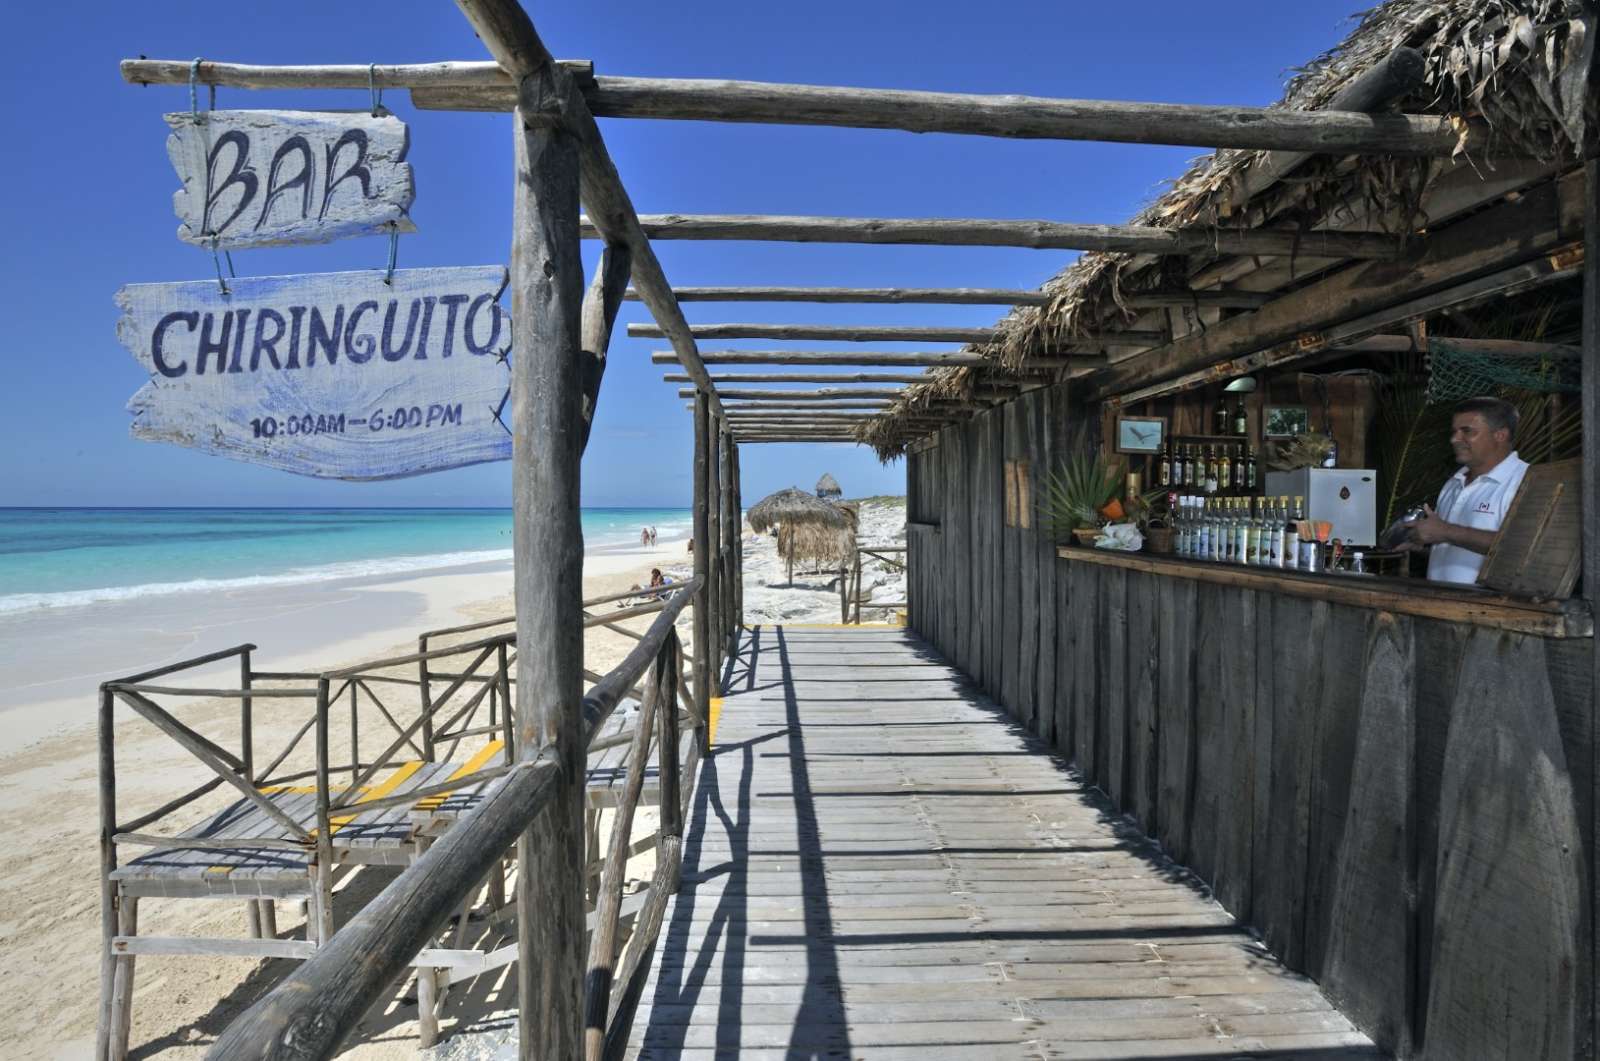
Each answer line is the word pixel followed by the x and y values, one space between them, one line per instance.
pixel 1474 500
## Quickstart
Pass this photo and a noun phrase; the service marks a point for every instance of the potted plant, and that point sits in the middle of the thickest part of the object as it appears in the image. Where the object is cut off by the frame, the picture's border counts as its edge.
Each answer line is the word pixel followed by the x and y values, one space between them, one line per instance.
pixel 1080 495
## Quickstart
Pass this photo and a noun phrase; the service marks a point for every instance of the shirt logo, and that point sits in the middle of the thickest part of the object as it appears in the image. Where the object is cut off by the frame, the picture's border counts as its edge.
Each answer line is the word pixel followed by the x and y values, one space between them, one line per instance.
pixel 1484 506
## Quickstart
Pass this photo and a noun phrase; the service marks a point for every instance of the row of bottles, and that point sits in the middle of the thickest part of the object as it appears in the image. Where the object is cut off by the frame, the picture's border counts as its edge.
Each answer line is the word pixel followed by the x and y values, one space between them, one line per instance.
pixel 1229 530
pixel 1218 469
pixel 1225 421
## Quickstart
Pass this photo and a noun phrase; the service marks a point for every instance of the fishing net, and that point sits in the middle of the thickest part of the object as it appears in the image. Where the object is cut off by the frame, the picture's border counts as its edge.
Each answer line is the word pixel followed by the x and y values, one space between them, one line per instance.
pixel 1455 374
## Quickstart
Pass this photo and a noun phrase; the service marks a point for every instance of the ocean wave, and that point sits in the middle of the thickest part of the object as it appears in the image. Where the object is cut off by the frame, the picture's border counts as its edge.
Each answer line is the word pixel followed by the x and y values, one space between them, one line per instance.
pixel 18 602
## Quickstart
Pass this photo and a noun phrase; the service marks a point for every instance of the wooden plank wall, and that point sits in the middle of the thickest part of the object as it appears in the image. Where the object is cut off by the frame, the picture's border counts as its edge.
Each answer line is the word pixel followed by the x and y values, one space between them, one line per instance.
pixel 1402 807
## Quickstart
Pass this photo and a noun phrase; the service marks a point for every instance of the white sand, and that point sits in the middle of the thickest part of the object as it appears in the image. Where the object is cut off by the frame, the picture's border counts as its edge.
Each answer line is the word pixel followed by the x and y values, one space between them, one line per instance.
pixel 49 906
pixel 814 596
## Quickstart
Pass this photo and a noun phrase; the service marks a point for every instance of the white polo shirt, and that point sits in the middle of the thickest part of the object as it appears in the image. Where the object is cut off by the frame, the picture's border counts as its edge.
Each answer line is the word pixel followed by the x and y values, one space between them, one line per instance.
pixel 1481 505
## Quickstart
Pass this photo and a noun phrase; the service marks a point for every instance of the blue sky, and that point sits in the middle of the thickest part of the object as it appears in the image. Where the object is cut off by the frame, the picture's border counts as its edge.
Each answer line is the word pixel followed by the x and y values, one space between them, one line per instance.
pixel 85 196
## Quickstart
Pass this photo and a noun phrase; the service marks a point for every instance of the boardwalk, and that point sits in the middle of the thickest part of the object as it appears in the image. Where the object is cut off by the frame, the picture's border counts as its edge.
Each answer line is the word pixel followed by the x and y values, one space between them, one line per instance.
pixel 880 864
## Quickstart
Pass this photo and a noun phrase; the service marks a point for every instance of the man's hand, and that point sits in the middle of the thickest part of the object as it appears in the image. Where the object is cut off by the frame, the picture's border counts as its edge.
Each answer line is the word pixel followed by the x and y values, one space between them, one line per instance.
pixel 1429 528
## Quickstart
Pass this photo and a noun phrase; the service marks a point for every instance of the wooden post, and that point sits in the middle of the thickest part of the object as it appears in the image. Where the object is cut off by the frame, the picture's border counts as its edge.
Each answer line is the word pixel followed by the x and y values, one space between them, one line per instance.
pixel 714 552
pixel 738 547
pixel 426 687
pixel 730 538
pixel 246 731
pixel 1591 469
pixel 702 565
pixel 546 395
pixel 319 918
pixel 108 864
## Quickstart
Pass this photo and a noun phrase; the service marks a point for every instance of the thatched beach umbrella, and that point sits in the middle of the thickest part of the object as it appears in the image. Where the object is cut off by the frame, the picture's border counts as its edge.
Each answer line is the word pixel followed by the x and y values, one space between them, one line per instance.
pixel 828 487
pixel 808 528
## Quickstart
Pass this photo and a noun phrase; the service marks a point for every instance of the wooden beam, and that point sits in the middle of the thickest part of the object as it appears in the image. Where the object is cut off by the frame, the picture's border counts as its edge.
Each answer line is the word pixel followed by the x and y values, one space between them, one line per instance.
pixel 805 396
pixel 474 74
pixel 1540 221
pixel 804 377
pixel 1039 235
pixel 745 407
pixel 954 296
pixel 854 333
pixel 1198 299
pixel 552 96
pixel 1355 336
pixel 924 358
pixel 600 306
pixel 1009 116
pixel 847 333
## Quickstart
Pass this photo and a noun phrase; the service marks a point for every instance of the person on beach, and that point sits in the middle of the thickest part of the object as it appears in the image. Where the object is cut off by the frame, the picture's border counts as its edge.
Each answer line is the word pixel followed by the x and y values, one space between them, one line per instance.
pixel 655 578
pixel 644 536
pixel 652 537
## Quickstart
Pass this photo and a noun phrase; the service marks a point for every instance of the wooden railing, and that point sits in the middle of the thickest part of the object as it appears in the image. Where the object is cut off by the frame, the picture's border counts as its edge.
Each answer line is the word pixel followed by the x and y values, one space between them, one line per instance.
pixel 850 600
pixel 309 1014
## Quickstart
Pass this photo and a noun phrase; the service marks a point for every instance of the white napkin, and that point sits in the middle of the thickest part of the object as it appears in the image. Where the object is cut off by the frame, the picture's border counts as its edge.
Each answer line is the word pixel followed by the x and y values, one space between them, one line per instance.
pixel 1121 536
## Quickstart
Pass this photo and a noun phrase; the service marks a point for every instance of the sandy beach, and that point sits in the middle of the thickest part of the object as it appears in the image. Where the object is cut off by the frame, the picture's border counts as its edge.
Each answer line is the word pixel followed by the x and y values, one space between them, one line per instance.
pixel 49 911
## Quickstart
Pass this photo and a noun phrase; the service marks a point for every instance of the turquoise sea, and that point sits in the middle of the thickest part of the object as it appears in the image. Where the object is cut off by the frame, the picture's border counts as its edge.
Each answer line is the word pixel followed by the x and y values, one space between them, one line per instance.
pixel 62 557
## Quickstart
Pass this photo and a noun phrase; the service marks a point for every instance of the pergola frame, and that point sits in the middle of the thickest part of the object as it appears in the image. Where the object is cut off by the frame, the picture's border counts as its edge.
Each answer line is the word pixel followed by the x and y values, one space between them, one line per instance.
pixel 562 159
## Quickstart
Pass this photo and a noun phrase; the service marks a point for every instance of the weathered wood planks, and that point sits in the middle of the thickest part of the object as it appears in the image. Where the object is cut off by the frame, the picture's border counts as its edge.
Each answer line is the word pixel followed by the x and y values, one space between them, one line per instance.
pixel 879 866
pixel 254 178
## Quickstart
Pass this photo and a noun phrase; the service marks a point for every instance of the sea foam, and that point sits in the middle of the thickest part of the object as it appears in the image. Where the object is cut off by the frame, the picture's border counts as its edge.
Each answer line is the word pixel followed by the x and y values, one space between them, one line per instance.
pixel 391 565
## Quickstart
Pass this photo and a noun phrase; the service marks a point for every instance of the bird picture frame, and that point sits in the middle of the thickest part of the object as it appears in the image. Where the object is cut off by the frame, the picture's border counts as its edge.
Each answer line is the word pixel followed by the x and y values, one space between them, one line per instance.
pixel 1141 434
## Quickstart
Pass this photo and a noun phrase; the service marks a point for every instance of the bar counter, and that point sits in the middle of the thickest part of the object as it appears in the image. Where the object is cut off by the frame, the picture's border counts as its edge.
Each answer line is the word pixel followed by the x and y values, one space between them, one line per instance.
pixel 1402 596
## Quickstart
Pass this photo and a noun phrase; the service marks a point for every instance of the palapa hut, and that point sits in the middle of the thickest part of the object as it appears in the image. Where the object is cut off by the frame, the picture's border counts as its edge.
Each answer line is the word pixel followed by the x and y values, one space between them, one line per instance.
pixel 808 527
pixel 1313 739
pixel 828 487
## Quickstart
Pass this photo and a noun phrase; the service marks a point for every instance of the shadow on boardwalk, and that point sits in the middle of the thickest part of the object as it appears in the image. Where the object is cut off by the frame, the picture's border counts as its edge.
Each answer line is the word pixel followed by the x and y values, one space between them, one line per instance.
pixel 880 863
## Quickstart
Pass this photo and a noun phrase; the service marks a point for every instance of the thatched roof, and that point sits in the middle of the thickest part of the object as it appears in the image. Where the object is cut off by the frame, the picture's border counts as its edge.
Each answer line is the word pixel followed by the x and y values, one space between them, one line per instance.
pixel 792 506
pixel 828 486
pixel 1518 66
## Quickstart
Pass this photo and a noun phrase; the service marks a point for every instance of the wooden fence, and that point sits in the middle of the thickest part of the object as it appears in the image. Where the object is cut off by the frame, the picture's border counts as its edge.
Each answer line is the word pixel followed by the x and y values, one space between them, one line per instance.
pixel 452 825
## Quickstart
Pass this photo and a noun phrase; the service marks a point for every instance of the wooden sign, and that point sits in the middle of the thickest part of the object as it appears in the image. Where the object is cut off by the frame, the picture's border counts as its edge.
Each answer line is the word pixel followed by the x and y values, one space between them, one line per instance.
pixel 1539 550
pixel 255 178
pixel 335 375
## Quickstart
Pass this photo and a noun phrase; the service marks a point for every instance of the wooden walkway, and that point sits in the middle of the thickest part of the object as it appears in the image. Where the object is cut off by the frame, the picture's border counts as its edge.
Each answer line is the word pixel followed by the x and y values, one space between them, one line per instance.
pixel 879 864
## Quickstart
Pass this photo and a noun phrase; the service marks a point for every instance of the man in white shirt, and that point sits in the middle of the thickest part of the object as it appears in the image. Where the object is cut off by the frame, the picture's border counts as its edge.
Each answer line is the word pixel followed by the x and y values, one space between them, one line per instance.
pixel 1474 501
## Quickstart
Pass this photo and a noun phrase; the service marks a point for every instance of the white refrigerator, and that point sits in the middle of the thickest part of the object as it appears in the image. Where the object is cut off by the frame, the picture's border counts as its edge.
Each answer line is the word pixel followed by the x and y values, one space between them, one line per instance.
pixel 1344 497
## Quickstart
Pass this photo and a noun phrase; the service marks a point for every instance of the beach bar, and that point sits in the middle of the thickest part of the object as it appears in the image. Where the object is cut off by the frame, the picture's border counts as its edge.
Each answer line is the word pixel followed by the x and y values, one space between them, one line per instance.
pixel 1000 831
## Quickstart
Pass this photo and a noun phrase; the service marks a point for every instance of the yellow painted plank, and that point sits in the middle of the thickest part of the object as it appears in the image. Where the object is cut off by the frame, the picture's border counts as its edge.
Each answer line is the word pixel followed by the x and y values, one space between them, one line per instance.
pixel 472 766
pixel 716 713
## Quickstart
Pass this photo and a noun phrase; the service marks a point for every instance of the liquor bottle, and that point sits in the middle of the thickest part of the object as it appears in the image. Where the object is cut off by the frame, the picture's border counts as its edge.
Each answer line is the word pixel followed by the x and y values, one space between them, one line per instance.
pixel 1266 533
pixel 1275 520
pixel 1305 558
pixel 1290 535
pixel 1164 474
pixel 1223 535
pixel 1241 422
pixel 1221 421
pixel 1224 472
pixel 1202 541
pixel 1241 533
pixel 1180 526
pixel 1250 468
pixel 1332 459
pixel 1180 466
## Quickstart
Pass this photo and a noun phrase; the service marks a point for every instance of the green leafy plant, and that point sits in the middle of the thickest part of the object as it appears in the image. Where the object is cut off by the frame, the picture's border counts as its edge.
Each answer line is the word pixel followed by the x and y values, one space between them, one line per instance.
pixel 1077 489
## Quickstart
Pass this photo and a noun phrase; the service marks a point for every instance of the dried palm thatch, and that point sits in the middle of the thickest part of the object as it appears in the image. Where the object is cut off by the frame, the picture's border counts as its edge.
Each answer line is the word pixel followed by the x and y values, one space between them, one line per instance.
pixel 828 486
pixel 794 505
pixel 1520 67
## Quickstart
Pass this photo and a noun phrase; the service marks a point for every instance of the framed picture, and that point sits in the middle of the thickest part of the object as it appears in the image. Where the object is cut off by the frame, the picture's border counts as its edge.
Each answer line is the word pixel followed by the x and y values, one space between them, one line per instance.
pixel 1284 421
pixel 1141 434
